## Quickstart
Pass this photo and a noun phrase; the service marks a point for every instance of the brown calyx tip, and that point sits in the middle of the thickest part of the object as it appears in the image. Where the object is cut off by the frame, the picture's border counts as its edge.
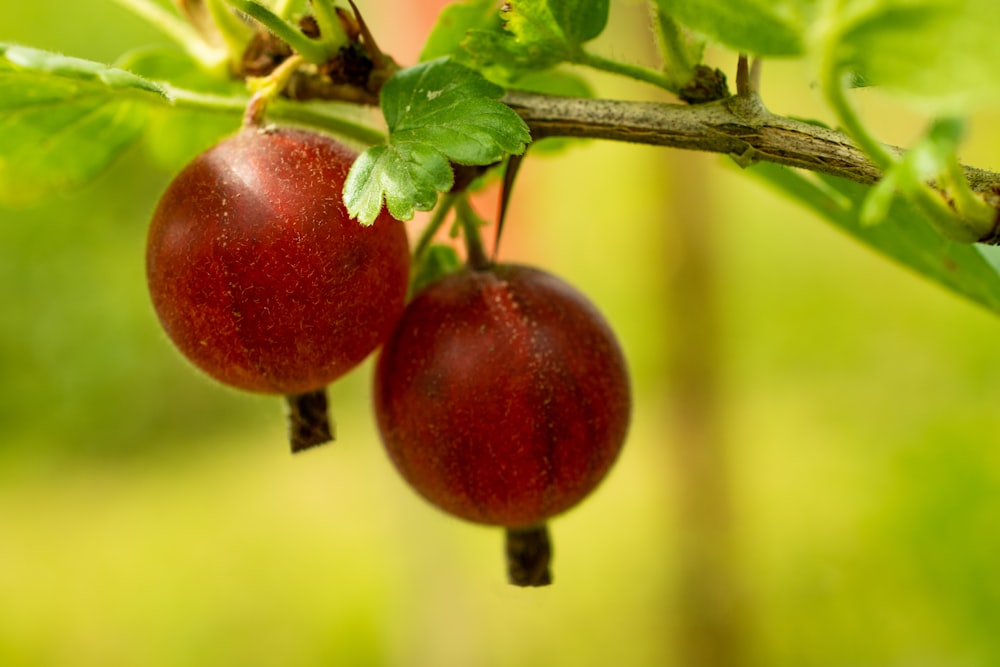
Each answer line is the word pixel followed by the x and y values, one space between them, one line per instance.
pixel 309 422
pixel 529 555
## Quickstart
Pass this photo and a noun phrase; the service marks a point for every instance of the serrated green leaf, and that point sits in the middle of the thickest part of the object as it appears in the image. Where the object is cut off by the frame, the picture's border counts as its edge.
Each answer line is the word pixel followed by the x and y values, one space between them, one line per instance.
pixel 24 58
pixel 537 31
pixel 525 36
pixel 760 27
pixel 437 112
pixel 406 176
pixel 62 120
pixel 939 54
pixel 904 235
pixel 503 58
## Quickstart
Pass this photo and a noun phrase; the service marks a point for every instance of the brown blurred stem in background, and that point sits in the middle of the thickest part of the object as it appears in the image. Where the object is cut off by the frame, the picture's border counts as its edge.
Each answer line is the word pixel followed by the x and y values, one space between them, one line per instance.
pixel 710 605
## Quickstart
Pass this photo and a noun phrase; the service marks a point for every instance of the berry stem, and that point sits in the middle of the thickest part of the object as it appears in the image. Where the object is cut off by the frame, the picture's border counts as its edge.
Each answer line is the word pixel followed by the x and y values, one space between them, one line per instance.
pixel 267 89
pixel 637 72
pixel 529 553
pixel 331 31
pixel 433 226
pixel 476 256
pixel 309 422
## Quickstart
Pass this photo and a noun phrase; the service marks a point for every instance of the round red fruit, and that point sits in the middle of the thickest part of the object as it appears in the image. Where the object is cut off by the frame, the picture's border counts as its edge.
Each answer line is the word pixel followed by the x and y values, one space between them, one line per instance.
pixel 259 275
pixel 502 396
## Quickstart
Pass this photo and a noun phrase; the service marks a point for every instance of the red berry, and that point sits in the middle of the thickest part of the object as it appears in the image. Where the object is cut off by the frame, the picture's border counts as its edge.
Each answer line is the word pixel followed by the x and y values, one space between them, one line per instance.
pixel 259 275
pixel 502 396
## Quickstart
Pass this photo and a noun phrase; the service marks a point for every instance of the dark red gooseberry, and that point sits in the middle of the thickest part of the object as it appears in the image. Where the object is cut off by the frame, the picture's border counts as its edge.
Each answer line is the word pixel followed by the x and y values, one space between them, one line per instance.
pixel 257 272
pixel 502 396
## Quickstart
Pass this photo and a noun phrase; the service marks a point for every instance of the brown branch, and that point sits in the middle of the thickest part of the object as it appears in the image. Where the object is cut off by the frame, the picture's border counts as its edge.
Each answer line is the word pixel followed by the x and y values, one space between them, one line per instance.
pixel 739 126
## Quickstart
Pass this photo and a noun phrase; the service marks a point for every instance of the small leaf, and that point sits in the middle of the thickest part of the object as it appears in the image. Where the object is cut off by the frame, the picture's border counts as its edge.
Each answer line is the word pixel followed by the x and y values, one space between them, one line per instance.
pixel 681 50
pixel 63 120
pixel 580 20
pixel 903 235
pixel 437 112
pixel 760 27
pixel 532 24
pixel 46 62
pixel 453 26
pixel 526 36
pixel 407 176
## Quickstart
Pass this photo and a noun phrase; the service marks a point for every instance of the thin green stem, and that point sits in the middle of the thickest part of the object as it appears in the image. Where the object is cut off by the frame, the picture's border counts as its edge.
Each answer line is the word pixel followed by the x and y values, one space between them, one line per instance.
pixel 834 88
pixel 323 116
pixel 967 203
pixel 311 50
pixel 181 32
pixel 266 90
pixel 928 200
pixel 331 30
pixel 637 72
pixel 434 226
pixel 319 115
pixel 476 256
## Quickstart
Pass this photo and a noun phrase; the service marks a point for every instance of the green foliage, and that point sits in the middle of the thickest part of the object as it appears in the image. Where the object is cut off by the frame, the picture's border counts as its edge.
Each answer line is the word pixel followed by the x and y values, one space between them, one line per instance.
pixel 902 233
pixel 563 25
pixel 438 111
pixel 174 136
pixel 681 51
pixel 525 36
pixel 937 54
pixel 760 27
pixel 62 120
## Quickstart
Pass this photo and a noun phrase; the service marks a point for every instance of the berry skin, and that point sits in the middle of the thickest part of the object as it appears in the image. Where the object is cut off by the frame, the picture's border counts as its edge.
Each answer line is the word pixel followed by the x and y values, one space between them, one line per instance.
pixel 502 396
pixel 257 272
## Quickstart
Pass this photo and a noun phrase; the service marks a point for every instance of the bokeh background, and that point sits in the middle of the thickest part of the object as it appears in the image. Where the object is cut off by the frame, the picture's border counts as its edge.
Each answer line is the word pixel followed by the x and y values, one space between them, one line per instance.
pixel 812 475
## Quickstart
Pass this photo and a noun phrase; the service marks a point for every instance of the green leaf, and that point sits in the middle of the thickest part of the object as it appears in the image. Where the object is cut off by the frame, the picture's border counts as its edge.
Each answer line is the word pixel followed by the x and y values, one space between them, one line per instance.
pixel 760 27
pixel 174 136
pixel 63 120
pixel 524 36
pixel 437 112
pixel 903 235
pixel 408 175
pixel 23 58
pixel 580 20
pixel 680 50
pixel 941 55
pixel 453 26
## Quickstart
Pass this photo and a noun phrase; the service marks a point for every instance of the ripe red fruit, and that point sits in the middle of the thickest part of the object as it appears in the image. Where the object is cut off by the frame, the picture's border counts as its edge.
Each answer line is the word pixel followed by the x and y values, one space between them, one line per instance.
pixel 259 275
pixel 502 396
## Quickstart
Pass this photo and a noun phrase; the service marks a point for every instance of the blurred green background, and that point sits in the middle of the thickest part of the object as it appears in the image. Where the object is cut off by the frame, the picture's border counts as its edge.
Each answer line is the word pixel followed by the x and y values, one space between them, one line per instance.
pixel 832 500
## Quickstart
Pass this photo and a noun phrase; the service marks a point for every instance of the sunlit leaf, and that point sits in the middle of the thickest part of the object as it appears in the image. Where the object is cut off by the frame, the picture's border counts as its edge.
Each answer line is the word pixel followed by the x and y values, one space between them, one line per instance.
pixel 904 235
pixel 941 54
pixel 437 112
pixel 760 27
pixel 63 120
